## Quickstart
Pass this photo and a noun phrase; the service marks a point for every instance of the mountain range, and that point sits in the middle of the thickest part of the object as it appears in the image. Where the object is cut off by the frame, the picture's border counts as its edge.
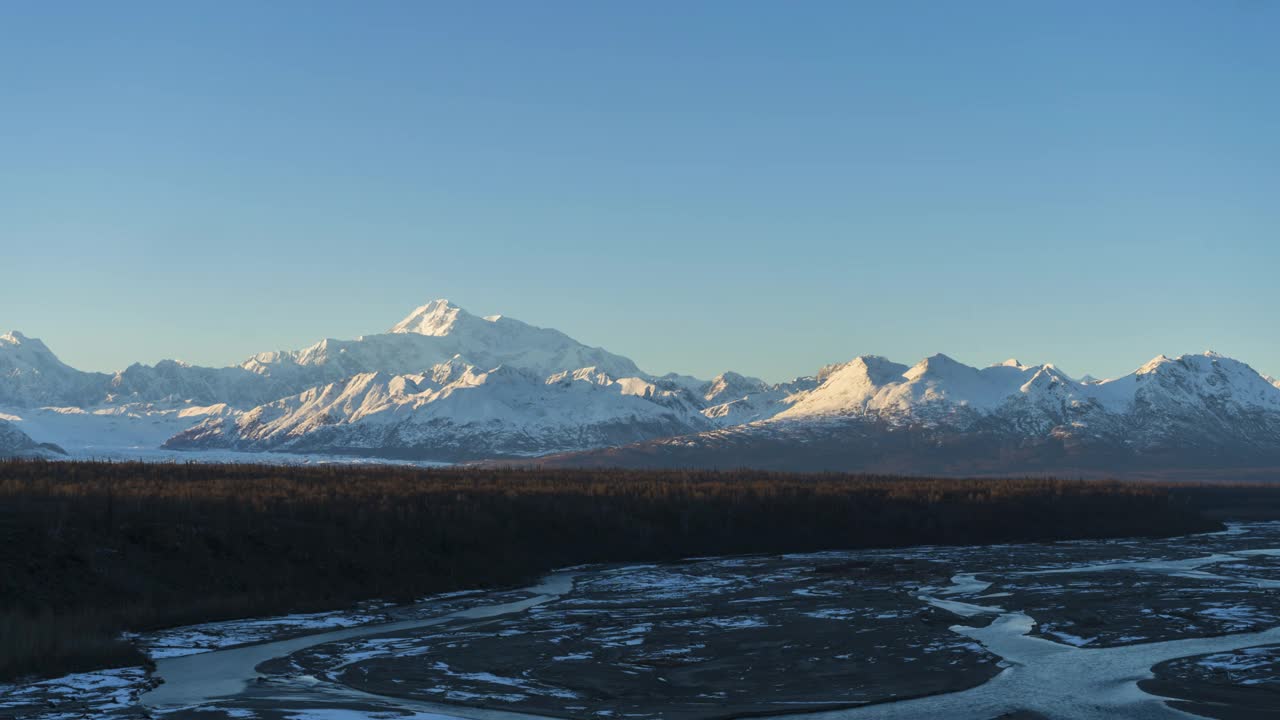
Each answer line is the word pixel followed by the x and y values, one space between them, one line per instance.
pixel 447 386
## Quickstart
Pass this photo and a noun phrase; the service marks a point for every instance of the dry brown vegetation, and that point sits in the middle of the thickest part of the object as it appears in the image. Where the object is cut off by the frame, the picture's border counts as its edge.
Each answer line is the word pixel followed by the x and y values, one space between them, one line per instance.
pixel 88 550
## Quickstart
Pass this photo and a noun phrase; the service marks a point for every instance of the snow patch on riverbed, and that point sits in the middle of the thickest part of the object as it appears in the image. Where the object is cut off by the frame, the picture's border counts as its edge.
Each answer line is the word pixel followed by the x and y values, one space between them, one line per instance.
pixel 327 714
pixel 102 693
pixel 208 637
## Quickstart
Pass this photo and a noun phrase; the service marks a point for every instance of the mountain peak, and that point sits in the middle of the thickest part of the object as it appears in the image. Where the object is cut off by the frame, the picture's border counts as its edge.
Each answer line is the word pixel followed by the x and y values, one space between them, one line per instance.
pixel 879 370
pixel 25 344
pixel 436 318
pixel 938 364
pixel 942 360
pixel 733 385
pixel 1046 375
pixel 1154 363
pixel 1198 362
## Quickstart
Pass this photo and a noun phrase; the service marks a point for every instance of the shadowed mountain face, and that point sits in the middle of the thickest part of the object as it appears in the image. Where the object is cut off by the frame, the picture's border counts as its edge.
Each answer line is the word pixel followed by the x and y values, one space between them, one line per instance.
pixel 445 385
pixel 13 441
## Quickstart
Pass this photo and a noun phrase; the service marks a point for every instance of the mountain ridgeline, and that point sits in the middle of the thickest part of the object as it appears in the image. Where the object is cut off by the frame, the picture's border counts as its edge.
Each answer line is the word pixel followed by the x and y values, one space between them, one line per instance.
pixel 445 385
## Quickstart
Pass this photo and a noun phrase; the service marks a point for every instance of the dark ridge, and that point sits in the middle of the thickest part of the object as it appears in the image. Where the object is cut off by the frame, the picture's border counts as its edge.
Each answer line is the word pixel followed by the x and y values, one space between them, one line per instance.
pixel 875 447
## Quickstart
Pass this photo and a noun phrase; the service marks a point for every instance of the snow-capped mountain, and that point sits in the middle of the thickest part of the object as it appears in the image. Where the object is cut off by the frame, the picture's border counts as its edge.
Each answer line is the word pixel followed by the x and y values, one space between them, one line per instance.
pixel 1209 391
pixel 456 411
pixel 435 333
pixel 441 384
pixel 445 385
pixel 939 414
pixel 735 399
pixel 497 340
pixel 30 374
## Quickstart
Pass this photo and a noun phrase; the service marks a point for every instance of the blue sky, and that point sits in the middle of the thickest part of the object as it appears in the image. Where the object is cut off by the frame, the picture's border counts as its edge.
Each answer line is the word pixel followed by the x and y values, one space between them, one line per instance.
pixel 767 187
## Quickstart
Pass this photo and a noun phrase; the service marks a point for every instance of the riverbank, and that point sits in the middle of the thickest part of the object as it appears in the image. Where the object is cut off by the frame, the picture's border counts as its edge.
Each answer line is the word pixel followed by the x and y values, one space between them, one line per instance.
pixel 91 550
pixel 938 631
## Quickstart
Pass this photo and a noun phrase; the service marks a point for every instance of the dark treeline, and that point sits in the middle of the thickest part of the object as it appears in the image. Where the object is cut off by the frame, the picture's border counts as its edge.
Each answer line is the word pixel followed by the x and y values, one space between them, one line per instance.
pixel 88 550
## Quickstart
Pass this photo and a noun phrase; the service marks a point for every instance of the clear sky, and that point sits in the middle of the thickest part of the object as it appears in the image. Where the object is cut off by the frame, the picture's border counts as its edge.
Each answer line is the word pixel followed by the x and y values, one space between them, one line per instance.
pixel 767 187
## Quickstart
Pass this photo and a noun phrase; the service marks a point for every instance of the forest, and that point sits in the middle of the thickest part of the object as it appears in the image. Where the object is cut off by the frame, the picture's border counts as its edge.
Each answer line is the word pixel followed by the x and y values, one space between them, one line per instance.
pixel 89 550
